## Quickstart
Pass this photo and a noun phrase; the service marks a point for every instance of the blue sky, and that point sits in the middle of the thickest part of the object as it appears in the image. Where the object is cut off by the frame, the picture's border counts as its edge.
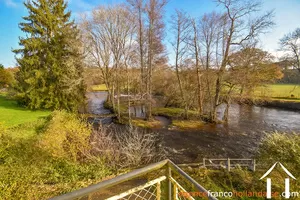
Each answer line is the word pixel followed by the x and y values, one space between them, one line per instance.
pixel 287 18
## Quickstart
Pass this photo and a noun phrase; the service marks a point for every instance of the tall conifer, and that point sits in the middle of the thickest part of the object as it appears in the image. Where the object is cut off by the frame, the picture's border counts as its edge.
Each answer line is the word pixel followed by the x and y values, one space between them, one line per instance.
pixel 50 62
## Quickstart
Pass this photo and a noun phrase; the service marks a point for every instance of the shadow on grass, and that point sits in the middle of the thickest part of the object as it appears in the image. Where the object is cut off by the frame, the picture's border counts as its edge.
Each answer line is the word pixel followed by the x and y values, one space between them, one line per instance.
pixel 11 104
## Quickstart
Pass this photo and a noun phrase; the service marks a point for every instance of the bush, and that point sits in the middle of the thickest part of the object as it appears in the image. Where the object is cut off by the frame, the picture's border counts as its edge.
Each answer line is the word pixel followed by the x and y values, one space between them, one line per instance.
pixel 127 147
pixel 138 147
pixel 281 147
pixel 66 136
pixel 5 143
pixel 28 169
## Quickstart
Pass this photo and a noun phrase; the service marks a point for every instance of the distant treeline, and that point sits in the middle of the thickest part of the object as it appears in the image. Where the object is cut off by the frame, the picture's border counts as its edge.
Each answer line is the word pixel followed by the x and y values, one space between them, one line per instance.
pixel 290 76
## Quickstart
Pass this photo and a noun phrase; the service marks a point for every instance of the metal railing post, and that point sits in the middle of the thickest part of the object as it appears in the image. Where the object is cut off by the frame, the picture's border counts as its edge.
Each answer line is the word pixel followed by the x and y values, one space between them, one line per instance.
pixel 187 178
pixel 169 175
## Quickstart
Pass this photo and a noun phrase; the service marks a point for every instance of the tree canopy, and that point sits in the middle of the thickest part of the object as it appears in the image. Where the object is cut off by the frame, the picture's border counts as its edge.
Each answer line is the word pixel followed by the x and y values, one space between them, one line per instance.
pixel 50 74
pixel 6 77
pixel 290 44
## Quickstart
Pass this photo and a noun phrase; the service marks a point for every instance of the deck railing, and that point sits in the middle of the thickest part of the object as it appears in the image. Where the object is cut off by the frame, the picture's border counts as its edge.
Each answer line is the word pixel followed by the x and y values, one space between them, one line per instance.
pixel 168 182
pixel 226 163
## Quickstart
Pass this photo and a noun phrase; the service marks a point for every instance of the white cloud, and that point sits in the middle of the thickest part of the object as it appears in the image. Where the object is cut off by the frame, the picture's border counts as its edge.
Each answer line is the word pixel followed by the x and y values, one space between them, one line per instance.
pixel 10 3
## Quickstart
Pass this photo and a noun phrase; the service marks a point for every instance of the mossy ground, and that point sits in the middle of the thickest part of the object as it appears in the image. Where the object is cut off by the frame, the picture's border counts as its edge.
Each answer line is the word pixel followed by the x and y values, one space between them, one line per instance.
pixel 187 124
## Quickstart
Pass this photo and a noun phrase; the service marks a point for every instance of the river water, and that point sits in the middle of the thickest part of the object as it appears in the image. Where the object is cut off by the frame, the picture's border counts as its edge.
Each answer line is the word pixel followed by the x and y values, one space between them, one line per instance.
pixel 239 138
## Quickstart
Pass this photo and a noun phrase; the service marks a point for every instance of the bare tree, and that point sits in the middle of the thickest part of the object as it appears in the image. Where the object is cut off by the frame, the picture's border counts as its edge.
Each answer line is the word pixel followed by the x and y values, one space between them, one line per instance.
pixel 206 34
pixel 150 33
pixel 110 33
pixel 239 27
pixel 196 54
pixel 137 8
pixel 290 43
pixel 181 28
pixel 154 11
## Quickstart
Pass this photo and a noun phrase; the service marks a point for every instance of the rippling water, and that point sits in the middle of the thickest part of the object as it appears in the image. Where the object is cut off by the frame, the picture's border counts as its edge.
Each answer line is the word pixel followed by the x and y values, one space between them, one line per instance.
pixel 239 138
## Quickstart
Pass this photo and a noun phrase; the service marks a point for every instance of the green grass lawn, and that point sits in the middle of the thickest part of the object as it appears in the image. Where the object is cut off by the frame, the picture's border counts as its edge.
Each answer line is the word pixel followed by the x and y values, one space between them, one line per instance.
pixel 11 114
pixel 279 91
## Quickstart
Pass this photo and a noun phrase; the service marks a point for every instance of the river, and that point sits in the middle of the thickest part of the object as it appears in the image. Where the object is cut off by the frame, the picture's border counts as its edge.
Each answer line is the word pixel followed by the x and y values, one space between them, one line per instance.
pixel 239 138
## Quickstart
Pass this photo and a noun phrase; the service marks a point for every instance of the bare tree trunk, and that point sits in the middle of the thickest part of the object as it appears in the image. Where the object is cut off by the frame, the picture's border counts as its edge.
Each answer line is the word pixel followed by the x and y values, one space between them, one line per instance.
pixel 228 102
pixel 128 97
pixel 149 73
pixel 181 27
pixel 177 72
pixel 181 90
pixel 141 48
pixel 199 85
pixel 222 70
pixel 118 94
pixel 226 112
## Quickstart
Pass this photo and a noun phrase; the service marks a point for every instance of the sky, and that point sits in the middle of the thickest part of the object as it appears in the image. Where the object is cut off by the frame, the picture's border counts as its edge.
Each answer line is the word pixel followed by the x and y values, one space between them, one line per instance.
pixel 287 18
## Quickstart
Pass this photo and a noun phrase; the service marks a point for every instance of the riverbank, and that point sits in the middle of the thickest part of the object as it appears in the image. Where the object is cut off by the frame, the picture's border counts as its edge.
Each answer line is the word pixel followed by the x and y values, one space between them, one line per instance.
pixel 291 104
pixel 169 118
pixel 239 138
pixel 28 169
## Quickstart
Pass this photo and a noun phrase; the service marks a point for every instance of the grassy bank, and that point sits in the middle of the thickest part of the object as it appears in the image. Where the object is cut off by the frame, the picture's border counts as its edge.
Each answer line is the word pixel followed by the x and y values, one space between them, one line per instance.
pixel 101 87
pixel 12 114
pixel 174 113
pixel 284 92
pixel 28 169
pixel 187 124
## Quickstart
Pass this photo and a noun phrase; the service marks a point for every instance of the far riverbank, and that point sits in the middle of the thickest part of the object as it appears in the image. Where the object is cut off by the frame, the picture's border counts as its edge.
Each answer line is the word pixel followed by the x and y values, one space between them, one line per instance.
pixel 293 105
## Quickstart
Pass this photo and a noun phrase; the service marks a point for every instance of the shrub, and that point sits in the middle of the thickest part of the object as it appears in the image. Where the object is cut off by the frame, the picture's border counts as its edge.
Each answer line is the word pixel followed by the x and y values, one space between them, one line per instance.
pixel 28 171
pixel 127 147
pixel 104 147
pixel 138 147
pixel 5 143
pixel 66 136
pixel 282 147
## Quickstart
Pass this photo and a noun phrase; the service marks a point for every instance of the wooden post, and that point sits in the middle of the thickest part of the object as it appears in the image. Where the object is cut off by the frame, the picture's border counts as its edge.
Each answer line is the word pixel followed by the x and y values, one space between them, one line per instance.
pixel 158 191
pixel 175 192
pixel 203 162
pixel 254 165
pixel 228 164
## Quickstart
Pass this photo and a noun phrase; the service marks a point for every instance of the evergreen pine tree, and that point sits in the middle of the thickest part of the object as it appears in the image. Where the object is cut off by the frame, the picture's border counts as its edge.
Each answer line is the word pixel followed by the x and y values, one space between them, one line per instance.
pixel 50 62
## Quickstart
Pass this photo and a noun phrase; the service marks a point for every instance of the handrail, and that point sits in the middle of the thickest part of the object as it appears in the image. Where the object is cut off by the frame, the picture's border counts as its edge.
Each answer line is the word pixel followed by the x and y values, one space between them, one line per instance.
pixel 128 176
pixel 111 182
pixel 191 180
